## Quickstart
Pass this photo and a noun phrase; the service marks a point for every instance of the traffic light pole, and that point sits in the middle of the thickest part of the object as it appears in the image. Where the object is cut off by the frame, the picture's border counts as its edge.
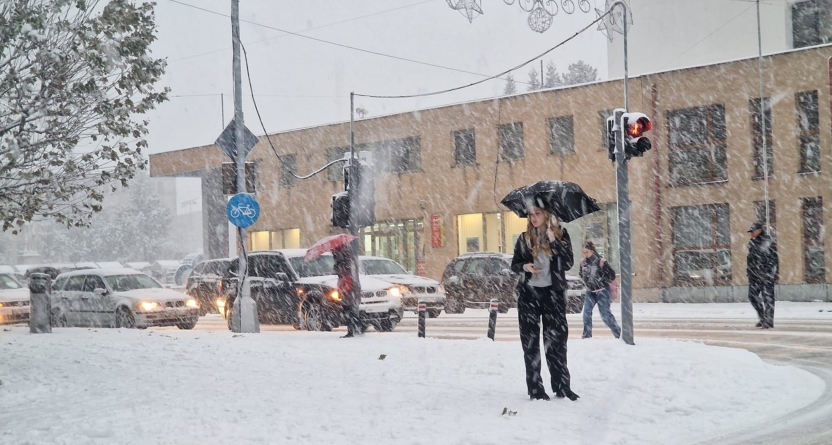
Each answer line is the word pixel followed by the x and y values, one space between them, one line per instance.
pixel 350 302
pixel 244 314
pixel 623 198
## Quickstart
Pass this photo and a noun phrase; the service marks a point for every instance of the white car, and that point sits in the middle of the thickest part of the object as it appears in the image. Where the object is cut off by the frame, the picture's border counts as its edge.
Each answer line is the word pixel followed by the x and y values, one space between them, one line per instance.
pixel 14 300
pixel 412 288
pixel 121 298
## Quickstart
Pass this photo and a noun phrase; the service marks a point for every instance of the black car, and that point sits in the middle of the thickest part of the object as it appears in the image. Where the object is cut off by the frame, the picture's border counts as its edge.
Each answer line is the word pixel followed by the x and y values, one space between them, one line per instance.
pixel 471 280
pixel 289 291
pixel 205 284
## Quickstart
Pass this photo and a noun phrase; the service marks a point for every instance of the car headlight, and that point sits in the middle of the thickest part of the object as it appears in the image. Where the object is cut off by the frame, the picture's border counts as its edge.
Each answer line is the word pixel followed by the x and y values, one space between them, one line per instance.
pixel 220 302
pixel 1 304
pixel 335 295
pixel 299 291
pixel 394 291
pixel 190 302
pixel 441 289
pixel 148 305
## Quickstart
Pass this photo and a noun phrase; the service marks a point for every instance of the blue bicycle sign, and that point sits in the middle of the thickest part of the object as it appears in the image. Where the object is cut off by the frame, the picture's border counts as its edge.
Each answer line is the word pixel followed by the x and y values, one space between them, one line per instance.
pixel 242 210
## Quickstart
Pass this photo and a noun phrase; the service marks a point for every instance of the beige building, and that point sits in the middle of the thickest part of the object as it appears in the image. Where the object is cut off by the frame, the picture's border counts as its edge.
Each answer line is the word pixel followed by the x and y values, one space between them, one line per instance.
pixel 442 172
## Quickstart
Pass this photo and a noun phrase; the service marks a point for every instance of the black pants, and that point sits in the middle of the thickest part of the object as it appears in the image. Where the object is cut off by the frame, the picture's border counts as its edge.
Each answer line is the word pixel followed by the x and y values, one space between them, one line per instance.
pixel 761 296
pixel 544 303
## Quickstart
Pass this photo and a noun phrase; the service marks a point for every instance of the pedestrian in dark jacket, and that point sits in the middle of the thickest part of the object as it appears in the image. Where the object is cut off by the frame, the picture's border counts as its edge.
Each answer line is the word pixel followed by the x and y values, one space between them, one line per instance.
pixel 763 272
pixel 543 254
pixel 349 289
pixel 597 274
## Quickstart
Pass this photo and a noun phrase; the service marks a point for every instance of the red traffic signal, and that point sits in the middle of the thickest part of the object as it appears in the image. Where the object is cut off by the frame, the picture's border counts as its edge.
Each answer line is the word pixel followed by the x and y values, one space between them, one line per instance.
pixel 636 124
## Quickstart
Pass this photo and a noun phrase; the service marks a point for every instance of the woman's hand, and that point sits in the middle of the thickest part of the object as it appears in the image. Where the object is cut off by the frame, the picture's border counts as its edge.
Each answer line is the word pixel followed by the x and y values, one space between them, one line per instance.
pixel 529 267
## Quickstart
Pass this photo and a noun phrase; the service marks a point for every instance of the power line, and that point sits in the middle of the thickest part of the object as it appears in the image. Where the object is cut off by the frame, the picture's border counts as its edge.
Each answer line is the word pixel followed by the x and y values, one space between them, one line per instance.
pixel 404 59
pixel 307 30
pixel 496 75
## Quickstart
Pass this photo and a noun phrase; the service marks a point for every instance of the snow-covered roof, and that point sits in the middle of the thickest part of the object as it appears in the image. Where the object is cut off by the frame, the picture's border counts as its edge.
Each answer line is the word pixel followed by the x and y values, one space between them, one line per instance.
pixel 291 253
pixel 166 264
pixel 101 272
pixel 24 267
pixel 137 265
pixel 7 269
pixel 110 265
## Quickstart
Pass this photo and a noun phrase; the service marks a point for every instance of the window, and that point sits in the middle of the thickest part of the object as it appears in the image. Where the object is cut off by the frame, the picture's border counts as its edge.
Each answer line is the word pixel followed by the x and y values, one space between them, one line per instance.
pixel 697 145
pixel 702 245
pixel 280 239
pixel 814 265
pixel 465 148
pixel 760 165
pixel 400 241
pixel 603 115
pixel 561 135
pixel 806 24
pixel 75 283
pixel 510 138
pixel 93 282
pixel 335 172
pixel 808 124
pixel 288 165
pixel 760 213
pixel 397 155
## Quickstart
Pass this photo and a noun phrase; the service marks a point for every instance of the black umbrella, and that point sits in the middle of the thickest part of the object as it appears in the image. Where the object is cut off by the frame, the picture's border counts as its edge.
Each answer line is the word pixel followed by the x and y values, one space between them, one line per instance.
pixel 564 199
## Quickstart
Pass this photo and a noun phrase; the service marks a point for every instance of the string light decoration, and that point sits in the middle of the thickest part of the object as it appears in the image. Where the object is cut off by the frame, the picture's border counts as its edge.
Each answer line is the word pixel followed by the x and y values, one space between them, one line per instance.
pixel 615 20
pixel 469 8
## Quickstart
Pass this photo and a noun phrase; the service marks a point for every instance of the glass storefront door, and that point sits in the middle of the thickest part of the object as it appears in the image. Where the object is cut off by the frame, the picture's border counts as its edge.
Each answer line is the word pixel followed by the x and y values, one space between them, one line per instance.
pixel 401 241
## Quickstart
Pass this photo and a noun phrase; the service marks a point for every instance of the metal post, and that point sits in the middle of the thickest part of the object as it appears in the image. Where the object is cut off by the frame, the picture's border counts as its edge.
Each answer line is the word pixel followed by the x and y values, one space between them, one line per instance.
pixel 762 115
pixel 351 305
pixel 40 306
pixel 244 307
pixel 492 317
pixel 222 109
pixel 423 308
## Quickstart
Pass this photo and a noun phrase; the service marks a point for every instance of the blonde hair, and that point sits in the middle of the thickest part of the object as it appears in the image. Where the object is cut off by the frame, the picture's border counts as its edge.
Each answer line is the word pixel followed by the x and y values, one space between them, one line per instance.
pixel 536 239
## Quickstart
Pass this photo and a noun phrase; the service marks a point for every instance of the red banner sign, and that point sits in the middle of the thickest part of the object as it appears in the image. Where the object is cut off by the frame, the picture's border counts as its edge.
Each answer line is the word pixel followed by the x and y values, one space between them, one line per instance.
pixel 437 231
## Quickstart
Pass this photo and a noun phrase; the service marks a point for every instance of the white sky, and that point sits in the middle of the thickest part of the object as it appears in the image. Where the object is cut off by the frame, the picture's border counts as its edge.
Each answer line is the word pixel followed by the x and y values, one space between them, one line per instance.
pixel 300 82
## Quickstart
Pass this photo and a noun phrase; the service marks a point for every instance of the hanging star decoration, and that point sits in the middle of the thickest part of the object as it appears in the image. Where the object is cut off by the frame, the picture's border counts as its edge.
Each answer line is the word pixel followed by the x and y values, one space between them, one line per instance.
pixel 614 21
pixel 466 8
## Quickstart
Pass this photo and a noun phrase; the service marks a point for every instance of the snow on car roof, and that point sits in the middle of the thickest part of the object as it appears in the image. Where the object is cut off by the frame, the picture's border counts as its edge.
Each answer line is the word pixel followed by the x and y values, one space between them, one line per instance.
pixel 7 269
pixel 291 253
pixel 101 272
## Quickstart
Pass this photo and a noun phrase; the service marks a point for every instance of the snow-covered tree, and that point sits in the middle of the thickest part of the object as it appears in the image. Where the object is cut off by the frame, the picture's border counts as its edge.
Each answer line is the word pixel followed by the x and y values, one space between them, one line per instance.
pixel 534 80
pixel 74 75
pixel 580 72
pixel 552 77
pixel 137 230
pixel 511 87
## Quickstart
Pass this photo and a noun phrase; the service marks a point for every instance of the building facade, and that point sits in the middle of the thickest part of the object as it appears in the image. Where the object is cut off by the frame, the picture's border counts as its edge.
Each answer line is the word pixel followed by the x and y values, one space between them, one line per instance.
pixel 441 173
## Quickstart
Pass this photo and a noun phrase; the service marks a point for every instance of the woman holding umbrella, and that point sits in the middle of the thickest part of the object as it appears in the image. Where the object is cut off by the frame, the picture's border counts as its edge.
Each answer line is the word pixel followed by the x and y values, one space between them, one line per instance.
pixel 543 254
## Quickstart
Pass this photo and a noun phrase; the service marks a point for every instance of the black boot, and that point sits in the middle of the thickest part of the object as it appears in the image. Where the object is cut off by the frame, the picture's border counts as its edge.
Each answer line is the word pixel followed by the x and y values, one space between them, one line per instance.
pixel 539 396
pixel 561 393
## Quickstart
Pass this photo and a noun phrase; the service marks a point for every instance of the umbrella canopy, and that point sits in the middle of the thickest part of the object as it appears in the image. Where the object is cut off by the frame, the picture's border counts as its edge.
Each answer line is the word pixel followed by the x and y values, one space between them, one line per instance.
pixel 327 244
pixel 564 199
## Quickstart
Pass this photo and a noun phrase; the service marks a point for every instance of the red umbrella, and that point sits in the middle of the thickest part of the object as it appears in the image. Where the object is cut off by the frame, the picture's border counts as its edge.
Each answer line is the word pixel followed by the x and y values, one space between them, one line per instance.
pixel 327 244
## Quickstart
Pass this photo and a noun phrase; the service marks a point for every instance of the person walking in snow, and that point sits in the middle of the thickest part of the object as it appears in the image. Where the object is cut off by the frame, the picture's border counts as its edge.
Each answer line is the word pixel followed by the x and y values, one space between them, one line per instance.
pixel 597 274
pixel 762 271
pixel 349 289
pixel 543 254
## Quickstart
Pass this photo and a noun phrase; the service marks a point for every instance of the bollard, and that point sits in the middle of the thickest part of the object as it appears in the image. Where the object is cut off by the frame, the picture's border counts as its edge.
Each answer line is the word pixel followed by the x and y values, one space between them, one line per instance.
pixel 423 308
pixel 492 317
pixel 40 306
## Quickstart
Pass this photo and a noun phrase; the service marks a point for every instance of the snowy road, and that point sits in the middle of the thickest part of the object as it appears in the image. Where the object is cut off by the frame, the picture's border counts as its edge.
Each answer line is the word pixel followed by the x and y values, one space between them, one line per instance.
pixel 803 342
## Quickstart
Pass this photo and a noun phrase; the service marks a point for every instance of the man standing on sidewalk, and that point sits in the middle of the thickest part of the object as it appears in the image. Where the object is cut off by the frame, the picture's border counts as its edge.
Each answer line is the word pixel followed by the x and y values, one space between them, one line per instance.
pixel 762 270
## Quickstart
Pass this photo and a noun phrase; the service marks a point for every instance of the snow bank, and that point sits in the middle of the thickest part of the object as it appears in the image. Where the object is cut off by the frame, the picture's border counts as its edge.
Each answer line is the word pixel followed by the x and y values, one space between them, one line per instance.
pixel 80 386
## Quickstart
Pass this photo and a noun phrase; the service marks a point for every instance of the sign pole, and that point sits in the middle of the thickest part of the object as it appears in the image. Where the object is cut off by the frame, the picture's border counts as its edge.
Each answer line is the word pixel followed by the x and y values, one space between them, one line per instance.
pixel 245 308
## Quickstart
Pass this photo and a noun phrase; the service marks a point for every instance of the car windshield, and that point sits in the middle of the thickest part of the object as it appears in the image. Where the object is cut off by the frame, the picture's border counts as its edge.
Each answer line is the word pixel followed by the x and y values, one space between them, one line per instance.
pixel 381 267
pixel 8 282
pixel 323 265
pixel 124 283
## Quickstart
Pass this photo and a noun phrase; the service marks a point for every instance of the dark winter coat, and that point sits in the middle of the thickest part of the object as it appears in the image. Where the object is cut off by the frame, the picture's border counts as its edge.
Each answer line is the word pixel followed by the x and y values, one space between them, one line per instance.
pixel 595 275
pixel 561 261
pixel 763 261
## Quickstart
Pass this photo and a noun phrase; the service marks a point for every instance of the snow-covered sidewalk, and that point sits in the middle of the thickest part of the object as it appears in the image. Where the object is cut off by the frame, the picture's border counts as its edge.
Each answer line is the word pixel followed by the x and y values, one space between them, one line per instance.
pixel 106 386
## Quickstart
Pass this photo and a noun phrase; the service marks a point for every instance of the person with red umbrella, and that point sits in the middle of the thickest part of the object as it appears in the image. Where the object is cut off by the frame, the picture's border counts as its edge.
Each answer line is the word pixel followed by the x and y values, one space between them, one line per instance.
pixel 346 268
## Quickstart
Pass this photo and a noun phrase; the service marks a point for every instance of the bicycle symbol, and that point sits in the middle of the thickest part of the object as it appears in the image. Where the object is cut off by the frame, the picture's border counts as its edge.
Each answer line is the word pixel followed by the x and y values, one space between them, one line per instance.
pixel 242 210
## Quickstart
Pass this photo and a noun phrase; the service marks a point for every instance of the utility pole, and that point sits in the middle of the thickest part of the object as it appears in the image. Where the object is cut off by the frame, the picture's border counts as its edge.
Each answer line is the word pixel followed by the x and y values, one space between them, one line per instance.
pixel 245 309
pixel 350 302
pixel 762 115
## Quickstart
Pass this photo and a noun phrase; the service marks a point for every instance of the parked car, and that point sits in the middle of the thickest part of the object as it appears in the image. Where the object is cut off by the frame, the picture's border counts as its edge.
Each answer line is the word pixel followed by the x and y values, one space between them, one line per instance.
pixel 14 300
pixel 471 280
pixel 53 270
pixel 205 284
pixel 412 288
pixel 305 295
pixel 121 298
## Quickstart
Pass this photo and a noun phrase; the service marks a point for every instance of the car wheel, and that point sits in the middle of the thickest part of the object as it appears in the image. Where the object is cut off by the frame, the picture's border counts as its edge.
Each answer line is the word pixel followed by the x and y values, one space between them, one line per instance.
pixel 125 318
pixel 188 325
pixel 453 305
pixel 315 318
pixel 386 325
pixel 229 313
pixel 58 320
pixel 433 313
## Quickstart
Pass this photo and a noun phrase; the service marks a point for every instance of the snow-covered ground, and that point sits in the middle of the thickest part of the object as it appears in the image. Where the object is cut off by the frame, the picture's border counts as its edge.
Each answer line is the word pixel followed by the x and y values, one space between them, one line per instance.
pixel 107 386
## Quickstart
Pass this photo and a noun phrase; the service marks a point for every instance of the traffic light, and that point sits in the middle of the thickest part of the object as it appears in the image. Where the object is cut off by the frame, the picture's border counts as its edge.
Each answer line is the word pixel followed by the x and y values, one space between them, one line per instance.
pixel 363 180
pixel 635 125
pixel 611 138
